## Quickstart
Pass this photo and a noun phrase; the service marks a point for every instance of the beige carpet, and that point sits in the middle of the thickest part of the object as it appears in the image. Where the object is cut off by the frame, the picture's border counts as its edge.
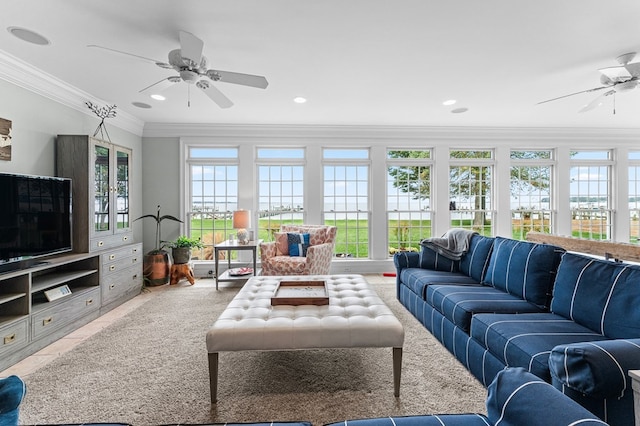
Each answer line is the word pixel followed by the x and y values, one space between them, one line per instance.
pixel 150 367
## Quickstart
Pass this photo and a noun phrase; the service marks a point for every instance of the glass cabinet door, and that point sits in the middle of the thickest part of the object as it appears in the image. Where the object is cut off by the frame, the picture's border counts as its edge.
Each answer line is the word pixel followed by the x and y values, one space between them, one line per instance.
pixel 102 188
pixel 122 190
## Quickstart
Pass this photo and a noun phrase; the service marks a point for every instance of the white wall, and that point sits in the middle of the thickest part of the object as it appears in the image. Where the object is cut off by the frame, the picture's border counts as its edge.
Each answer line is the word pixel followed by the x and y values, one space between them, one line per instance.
pixel 36 120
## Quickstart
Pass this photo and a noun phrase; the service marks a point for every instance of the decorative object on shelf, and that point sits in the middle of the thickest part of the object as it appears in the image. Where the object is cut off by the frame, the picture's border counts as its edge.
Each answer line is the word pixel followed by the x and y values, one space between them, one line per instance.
pixel 156 265
pixel 105 112
pixel 242 221
pixel 57 293
pixel 181 248
pixel 5 139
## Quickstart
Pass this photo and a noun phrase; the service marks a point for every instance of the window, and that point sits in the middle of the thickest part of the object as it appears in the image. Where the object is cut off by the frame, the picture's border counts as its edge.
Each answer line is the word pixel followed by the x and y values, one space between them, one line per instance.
pixel 634 196
pixel 590 195
pixel 530 192
pixel 408 199
pixel 280 189
pixel 470 182
pixel 213 195
pixel 346 199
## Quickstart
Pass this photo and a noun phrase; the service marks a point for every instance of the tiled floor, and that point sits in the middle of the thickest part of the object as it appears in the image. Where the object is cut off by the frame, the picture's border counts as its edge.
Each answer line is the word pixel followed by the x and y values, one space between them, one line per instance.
pixel 54 350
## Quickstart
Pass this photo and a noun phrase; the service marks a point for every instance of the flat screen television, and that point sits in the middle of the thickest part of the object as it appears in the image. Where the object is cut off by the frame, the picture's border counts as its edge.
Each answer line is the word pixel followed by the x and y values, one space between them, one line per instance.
pixel 35 219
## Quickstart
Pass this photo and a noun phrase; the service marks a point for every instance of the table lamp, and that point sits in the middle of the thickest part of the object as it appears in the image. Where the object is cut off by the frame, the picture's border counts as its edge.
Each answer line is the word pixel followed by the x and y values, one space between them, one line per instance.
pixel 242 221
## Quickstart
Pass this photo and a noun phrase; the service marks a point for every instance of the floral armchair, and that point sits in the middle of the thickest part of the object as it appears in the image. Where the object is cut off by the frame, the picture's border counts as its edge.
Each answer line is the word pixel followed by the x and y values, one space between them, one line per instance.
pixel 315 258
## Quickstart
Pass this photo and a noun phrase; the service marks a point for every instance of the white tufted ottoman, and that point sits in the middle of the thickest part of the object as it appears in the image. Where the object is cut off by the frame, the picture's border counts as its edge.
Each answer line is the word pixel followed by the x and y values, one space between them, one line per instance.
pixel 354 318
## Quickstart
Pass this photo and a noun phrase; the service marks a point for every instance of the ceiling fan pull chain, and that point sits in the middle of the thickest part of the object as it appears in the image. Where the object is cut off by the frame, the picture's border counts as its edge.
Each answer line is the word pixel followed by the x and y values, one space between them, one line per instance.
pixel 188 96
pixel 614 103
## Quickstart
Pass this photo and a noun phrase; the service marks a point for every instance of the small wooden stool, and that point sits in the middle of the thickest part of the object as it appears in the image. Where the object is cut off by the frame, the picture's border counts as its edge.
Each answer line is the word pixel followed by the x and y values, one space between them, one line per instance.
pixel 181 270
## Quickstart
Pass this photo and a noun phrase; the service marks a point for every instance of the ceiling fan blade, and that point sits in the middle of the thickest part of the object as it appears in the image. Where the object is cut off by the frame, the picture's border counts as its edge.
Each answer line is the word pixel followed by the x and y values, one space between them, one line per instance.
pixel 214 94
pixel 238 78
pixel 596 102
pixel 634 69
pixel 572 94
pixel 191 47
pixel 616 73
pixel 153 61
pixel 161 85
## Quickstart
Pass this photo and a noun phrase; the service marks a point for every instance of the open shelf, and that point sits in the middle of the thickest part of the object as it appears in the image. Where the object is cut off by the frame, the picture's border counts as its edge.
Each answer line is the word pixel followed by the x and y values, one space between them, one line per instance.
pixel 53 279
pixel 8 297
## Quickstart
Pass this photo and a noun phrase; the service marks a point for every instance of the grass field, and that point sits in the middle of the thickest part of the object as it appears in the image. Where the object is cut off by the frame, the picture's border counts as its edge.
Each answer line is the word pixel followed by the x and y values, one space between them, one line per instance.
pixel 352 239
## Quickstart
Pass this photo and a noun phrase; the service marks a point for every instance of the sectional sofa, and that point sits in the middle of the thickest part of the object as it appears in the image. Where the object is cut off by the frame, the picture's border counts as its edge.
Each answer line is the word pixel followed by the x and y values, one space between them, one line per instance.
pixel 570 319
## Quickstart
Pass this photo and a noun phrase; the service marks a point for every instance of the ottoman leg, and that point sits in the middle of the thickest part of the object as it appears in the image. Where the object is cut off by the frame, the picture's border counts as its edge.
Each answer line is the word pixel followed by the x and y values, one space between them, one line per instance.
pixel 397 369
pixel 213 376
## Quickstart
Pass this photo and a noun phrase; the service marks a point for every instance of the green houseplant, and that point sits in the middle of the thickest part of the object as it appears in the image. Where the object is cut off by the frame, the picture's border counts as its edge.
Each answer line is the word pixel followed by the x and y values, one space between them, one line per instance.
pixel 156 262
pixel 182 246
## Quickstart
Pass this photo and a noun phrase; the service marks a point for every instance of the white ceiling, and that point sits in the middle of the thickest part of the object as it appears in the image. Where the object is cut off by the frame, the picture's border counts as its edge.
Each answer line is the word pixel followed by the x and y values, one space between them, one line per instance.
pixel 358 62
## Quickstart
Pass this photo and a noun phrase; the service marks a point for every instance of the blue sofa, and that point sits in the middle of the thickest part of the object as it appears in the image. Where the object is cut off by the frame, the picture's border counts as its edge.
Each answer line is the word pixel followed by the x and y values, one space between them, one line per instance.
pixel 515 398
pixel 574 323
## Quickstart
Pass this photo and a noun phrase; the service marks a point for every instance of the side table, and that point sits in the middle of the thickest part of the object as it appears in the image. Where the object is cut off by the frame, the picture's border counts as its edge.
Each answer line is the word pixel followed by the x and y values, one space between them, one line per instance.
pixel 230 246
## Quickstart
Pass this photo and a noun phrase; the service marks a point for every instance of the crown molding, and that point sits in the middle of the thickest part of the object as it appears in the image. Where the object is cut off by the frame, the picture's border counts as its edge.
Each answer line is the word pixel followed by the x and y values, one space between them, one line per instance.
pixel 397 133
pixel 24 75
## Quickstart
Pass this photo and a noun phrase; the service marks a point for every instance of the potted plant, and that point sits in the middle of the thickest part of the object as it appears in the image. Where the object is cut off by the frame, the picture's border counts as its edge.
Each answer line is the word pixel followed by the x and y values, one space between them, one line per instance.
pixel 156 262
pixel 181 248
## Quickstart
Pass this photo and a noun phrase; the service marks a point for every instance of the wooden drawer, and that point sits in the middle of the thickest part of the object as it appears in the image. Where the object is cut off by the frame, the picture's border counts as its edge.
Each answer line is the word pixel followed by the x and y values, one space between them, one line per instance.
pixel 107 241
pixel 121 283
pixel 14 335
pixel 50 319
pixel 113 260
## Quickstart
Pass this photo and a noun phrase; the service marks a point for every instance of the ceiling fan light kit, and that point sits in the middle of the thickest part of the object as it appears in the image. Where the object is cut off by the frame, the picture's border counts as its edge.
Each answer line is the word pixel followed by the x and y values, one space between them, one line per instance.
pixel 193 68
pixel 618 79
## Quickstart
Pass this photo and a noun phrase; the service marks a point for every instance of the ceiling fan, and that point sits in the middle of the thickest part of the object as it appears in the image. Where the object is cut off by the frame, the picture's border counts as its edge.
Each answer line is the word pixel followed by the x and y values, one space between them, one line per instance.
pixel 193 68
pixel 618 79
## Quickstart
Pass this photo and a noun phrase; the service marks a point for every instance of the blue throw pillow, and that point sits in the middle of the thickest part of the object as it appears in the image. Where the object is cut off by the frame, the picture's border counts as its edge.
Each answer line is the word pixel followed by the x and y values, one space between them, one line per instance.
pixel 298 243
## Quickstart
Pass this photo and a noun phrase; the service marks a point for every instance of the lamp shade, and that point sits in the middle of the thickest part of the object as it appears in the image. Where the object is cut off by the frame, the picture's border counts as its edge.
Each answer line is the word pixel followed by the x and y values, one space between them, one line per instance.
pixel 241 219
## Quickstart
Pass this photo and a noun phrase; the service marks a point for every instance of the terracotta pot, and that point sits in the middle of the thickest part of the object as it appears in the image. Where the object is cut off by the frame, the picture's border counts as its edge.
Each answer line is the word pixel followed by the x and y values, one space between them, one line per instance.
pixel 156 267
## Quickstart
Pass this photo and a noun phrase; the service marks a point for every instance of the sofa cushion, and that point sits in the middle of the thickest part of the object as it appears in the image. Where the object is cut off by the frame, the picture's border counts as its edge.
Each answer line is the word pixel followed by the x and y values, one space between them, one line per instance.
pixel 518 398
pixel 526 340
pixel 523 269
pixel 12 391
pixel 418 279
pixel 599 294
pixel 474 263
pixel 459 303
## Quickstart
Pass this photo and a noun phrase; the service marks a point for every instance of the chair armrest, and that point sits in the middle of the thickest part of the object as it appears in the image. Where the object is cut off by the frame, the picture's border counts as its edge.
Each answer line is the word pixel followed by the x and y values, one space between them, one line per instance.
pixel 267 250
pixel 319 259
pixel 598 369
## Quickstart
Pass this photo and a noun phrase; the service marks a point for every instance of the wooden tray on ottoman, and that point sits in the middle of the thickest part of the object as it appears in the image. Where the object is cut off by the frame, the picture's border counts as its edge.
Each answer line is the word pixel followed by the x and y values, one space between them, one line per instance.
pixel 301 293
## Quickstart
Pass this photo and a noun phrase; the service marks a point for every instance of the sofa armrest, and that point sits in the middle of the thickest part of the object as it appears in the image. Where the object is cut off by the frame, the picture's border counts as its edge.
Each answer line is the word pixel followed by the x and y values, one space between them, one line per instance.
pixel 517 397
pixel 406 259
pixel 598 369
pixel 319 259
pixel 267 250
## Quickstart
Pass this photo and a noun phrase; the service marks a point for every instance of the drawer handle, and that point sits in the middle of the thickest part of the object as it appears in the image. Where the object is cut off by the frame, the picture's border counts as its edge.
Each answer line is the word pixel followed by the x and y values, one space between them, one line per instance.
pixel 135 277
pixel 47 321
pixel 89 302
pixel 112 267
pixel 125 238
pixel 112 256
pixel 134 260
pixel 100 243
pixel 112 286
pixel 9 339
pixel 135 250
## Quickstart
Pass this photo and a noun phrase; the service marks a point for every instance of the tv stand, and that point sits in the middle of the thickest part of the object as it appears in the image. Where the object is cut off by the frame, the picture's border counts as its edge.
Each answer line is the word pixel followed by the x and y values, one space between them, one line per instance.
pixel 98 282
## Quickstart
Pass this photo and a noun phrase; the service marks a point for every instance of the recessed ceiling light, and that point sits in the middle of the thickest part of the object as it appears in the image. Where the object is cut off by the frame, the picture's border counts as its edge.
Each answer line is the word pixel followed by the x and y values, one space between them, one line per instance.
pixel 158 97
pixel 299 100
pixel 141 105
pixel 459 110
pixel 449 102
pixel 28 36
